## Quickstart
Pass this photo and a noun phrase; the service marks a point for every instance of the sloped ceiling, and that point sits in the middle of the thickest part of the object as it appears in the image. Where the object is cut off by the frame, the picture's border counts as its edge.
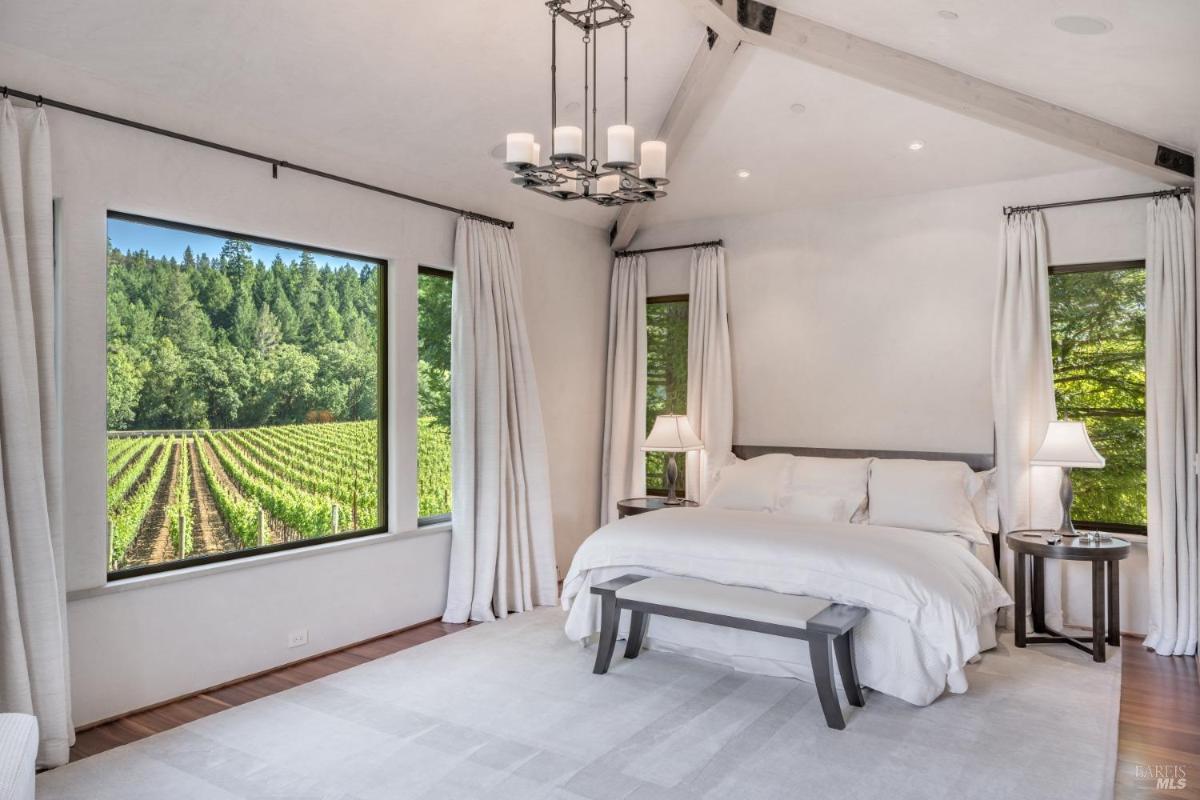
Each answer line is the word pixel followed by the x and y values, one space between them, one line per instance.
pixel 415 95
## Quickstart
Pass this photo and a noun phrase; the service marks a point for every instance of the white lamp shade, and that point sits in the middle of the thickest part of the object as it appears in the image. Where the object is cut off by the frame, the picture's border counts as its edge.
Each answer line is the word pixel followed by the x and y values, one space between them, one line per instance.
pixel 1067 445
pixel 672 433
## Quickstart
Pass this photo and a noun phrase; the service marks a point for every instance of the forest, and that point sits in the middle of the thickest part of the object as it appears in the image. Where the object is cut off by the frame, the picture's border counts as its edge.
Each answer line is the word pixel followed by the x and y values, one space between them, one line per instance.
pixel 232 342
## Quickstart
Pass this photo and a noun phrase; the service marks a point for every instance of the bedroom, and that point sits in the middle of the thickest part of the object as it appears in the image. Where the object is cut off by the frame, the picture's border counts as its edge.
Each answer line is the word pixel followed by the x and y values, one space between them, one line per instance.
pixel 246 557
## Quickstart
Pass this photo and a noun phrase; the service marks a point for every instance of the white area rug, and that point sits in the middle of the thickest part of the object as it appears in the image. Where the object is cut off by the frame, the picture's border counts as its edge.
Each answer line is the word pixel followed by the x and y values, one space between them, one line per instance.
pixel 512 710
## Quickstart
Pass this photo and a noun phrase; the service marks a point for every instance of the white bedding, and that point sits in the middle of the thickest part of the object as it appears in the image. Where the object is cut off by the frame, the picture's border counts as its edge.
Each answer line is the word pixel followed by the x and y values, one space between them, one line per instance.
pixel 933 602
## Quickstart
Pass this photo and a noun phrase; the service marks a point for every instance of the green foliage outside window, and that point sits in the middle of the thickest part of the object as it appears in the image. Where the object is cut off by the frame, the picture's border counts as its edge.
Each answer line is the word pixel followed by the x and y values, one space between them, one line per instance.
pixel 666 381
pixel 1098 335
pixel 434 292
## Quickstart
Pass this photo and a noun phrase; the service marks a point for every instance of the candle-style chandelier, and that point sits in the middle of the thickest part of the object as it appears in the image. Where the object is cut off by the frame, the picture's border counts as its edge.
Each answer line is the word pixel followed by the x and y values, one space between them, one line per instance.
pixel 574 171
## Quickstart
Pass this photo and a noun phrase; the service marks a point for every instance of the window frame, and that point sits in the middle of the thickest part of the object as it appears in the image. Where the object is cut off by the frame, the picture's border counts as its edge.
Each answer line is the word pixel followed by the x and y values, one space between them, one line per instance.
pixel 661 299
pixel 433 519
pixel 382 419
pixel 1052 270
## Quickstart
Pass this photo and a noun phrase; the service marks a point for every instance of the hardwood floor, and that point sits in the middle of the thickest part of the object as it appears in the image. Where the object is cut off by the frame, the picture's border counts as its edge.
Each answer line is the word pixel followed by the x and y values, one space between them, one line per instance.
pixel 1160 724
pixel 1159 729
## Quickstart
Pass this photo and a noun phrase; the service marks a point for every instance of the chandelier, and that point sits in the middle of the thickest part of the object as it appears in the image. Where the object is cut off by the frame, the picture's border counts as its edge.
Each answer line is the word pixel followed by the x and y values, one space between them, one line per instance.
pixel 574 170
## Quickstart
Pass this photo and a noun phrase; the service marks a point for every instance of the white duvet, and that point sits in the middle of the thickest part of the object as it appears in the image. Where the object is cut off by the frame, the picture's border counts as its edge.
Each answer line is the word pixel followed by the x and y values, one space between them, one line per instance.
pixel 933 603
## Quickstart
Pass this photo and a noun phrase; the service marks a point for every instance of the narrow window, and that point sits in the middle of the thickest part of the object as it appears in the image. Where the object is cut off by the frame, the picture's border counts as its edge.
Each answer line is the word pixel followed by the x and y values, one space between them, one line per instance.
pixel 245 407
pixel 434 291
pixel 666 378
pixel 1098 340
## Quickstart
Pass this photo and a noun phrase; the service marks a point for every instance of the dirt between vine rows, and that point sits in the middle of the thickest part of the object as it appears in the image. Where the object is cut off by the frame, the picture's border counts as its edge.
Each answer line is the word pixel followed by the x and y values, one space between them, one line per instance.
pixel 209 534
pixel 153 543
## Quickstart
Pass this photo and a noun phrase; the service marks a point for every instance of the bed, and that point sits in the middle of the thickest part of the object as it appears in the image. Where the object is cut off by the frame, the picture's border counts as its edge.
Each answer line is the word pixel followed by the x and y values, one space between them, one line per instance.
pixel 933 595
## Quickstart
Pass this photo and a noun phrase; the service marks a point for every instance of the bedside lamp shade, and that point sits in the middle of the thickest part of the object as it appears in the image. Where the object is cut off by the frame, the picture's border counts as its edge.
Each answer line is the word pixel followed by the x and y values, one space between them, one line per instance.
pixel 672 433
pixel 1067 445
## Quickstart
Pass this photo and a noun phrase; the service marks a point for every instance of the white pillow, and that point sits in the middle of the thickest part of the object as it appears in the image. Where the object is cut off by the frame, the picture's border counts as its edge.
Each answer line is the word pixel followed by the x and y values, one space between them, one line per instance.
pixel 810 507
pixel 752 485
pixel 924 495
pixel 840 477
pixel 986 502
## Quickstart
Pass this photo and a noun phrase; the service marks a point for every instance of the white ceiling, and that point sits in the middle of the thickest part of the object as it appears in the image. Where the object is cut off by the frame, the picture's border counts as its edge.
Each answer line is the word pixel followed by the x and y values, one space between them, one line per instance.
pixel 1143 75
pixel 414 95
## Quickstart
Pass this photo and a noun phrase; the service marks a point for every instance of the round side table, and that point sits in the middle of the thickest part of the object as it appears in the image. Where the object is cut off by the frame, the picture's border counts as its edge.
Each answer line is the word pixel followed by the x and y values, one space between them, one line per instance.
pixel 640 505
pixel 1106 600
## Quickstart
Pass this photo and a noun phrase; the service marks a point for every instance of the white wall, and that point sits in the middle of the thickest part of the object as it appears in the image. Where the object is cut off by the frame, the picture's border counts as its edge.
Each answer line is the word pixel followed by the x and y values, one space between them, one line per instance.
pixel 869 324
pixel 159 637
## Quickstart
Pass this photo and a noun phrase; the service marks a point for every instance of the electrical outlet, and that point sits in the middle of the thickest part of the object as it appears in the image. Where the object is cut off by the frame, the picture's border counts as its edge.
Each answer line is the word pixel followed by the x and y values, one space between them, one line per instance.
pixel 298 638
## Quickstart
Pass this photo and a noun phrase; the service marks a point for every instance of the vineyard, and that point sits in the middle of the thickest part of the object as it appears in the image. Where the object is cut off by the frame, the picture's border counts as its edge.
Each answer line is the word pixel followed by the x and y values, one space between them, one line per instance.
pixel 190 493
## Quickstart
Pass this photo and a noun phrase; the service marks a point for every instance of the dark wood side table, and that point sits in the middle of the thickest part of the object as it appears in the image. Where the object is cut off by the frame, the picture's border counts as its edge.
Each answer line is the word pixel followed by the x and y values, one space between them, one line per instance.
pixel 1106 600
pixel 640 505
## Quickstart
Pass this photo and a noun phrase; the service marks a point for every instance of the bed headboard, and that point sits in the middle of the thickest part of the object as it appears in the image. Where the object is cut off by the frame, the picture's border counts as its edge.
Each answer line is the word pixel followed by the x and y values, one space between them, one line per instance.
pixel 976 461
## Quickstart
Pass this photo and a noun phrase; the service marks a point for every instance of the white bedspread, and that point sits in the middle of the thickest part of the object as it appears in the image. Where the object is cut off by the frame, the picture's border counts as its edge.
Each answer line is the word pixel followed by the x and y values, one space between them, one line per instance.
pixel 933 602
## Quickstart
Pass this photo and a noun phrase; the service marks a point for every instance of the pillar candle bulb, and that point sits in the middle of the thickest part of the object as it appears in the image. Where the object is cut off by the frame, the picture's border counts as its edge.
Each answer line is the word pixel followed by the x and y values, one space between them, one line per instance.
pixel 609 184
pixel 620 144
pixel 519 148
pixel 568 140
pixel 654 160
pixel 537 154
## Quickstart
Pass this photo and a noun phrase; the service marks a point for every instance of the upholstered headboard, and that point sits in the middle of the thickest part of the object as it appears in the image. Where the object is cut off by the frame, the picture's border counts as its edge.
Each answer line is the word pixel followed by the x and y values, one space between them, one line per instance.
pixel 976 461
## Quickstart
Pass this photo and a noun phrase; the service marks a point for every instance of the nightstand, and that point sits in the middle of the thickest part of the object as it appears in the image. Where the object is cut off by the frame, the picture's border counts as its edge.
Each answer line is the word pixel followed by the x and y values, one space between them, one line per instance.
pixel 640 505
pixel 1106 600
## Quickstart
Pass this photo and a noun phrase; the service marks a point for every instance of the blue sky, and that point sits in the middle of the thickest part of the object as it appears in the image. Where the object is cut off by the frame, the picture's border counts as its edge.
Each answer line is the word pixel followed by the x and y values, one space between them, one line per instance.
pixel 160 241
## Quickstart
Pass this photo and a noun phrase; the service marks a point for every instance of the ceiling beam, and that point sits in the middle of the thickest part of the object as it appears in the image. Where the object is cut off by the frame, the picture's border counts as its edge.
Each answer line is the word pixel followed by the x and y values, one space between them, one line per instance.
pixel 710 64
pixel 774 28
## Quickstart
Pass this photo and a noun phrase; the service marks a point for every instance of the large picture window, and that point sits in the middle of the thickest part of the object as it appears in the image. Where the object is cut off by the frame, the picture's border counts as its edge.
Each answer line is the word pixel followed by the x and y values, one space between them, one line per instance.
pixel 245 395
pixel 434 292
pixel 666 377
pixel 1098 341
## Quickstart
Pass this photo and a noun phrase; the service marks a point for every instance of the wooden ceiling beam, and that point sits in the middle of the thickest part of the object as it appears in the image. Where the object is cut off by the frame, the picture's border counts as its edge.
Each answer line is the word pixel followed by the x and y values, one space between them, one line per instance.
pixel 767 26
pixel 712 61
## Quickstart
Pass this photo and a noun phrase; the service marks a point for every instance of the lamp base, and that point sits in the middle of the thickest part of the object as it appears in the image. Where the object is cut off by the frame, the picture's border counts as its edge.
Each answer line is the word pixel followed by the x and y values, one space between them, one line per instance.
pixel 672 478
pixel 1066 496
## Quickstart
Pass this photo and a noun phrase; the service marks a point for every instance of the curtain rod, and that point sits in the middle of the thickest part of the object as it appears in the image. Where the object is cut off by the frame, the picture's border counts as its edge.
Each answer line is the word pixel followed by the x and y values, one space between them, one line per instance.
pixel 1176 192
pixel 276 163
pixel 716 243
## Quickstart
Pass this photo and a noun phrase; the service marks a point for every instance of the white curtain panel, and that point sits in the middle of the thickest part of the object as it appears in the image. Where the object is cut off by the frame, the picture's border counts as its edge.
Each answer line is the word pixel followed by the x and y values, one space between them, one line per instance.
pixel 502 544
pixel 710 370
pixel 1023 393
pixel 33 617
pixel 1171 439
pixel 624 469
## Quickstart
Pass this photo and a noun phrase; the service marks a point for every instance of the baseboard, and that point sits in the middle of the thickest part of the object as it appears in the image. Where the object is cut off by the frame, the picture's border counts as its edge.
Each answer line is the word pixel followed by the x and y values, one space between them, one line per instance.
pixel 217 687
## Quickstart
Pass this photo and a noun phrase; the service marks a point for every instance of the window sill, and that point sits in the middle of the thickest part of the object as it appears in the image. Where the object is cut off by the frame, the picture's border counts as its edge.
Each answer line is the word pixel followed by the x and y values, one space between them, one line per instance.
pixel 250 562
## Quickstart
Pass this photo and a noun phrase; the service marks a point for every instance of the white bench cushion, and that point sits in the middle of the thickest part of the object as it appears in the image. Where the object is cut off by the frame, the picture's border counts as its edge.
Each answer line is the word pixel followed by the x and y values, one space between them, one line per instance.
pixel 742 602
pixel 18 756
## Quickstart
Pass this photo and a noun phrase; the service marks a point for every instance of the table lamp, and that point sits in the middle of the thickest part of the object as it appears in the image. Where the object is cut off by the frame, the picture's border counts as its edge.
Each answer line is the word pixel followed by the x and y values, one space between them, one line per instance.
pixel 672 433
pixel 1067 445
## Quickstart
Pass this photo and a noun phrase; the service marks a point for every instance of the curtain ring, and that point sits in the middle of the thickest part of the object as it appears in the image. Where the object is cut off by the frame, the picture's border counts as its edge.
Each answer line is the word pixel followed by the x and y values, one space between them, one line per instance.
pixel 4 90
pixel 39 101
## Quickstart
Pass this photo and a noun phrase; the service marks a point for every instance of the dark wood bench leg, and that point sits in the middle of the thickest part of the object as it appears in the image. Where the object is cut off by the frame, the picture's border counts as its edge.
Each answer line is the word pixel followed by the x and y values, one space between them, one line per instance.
pixel 610 616
pixel 820 651
pixel 843 648
pixel 637 632
pixel 1019 591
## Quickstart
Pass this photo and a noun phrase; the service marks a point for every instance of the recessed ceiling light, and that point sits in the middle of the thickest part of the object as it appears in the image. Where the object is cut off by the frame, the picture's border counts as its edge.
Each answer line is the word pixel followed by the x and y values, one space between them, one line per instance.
pixel 797 108
pixel 743 173
pixel 1083 26
pixel 947 14
pixel 499 151
pixel 571 106
pixel 916 144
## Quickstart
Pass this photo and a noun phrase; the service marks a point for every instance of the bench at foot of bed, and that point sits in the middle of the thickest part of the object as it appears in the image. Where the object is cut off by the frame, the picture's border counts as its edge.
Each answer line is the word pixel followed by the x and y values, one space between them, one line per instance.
pixel 827 627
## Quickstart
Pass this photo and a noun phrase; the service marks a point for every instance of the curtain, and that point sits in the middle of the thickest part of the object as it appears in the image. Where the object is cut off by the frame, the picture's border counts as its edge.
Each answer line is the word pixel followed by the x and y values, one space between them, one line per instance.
pixel 33 616
pixel 1171 439
pixel 1023 393
pixel 502 541
pixel 624 469
pixel 710 371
